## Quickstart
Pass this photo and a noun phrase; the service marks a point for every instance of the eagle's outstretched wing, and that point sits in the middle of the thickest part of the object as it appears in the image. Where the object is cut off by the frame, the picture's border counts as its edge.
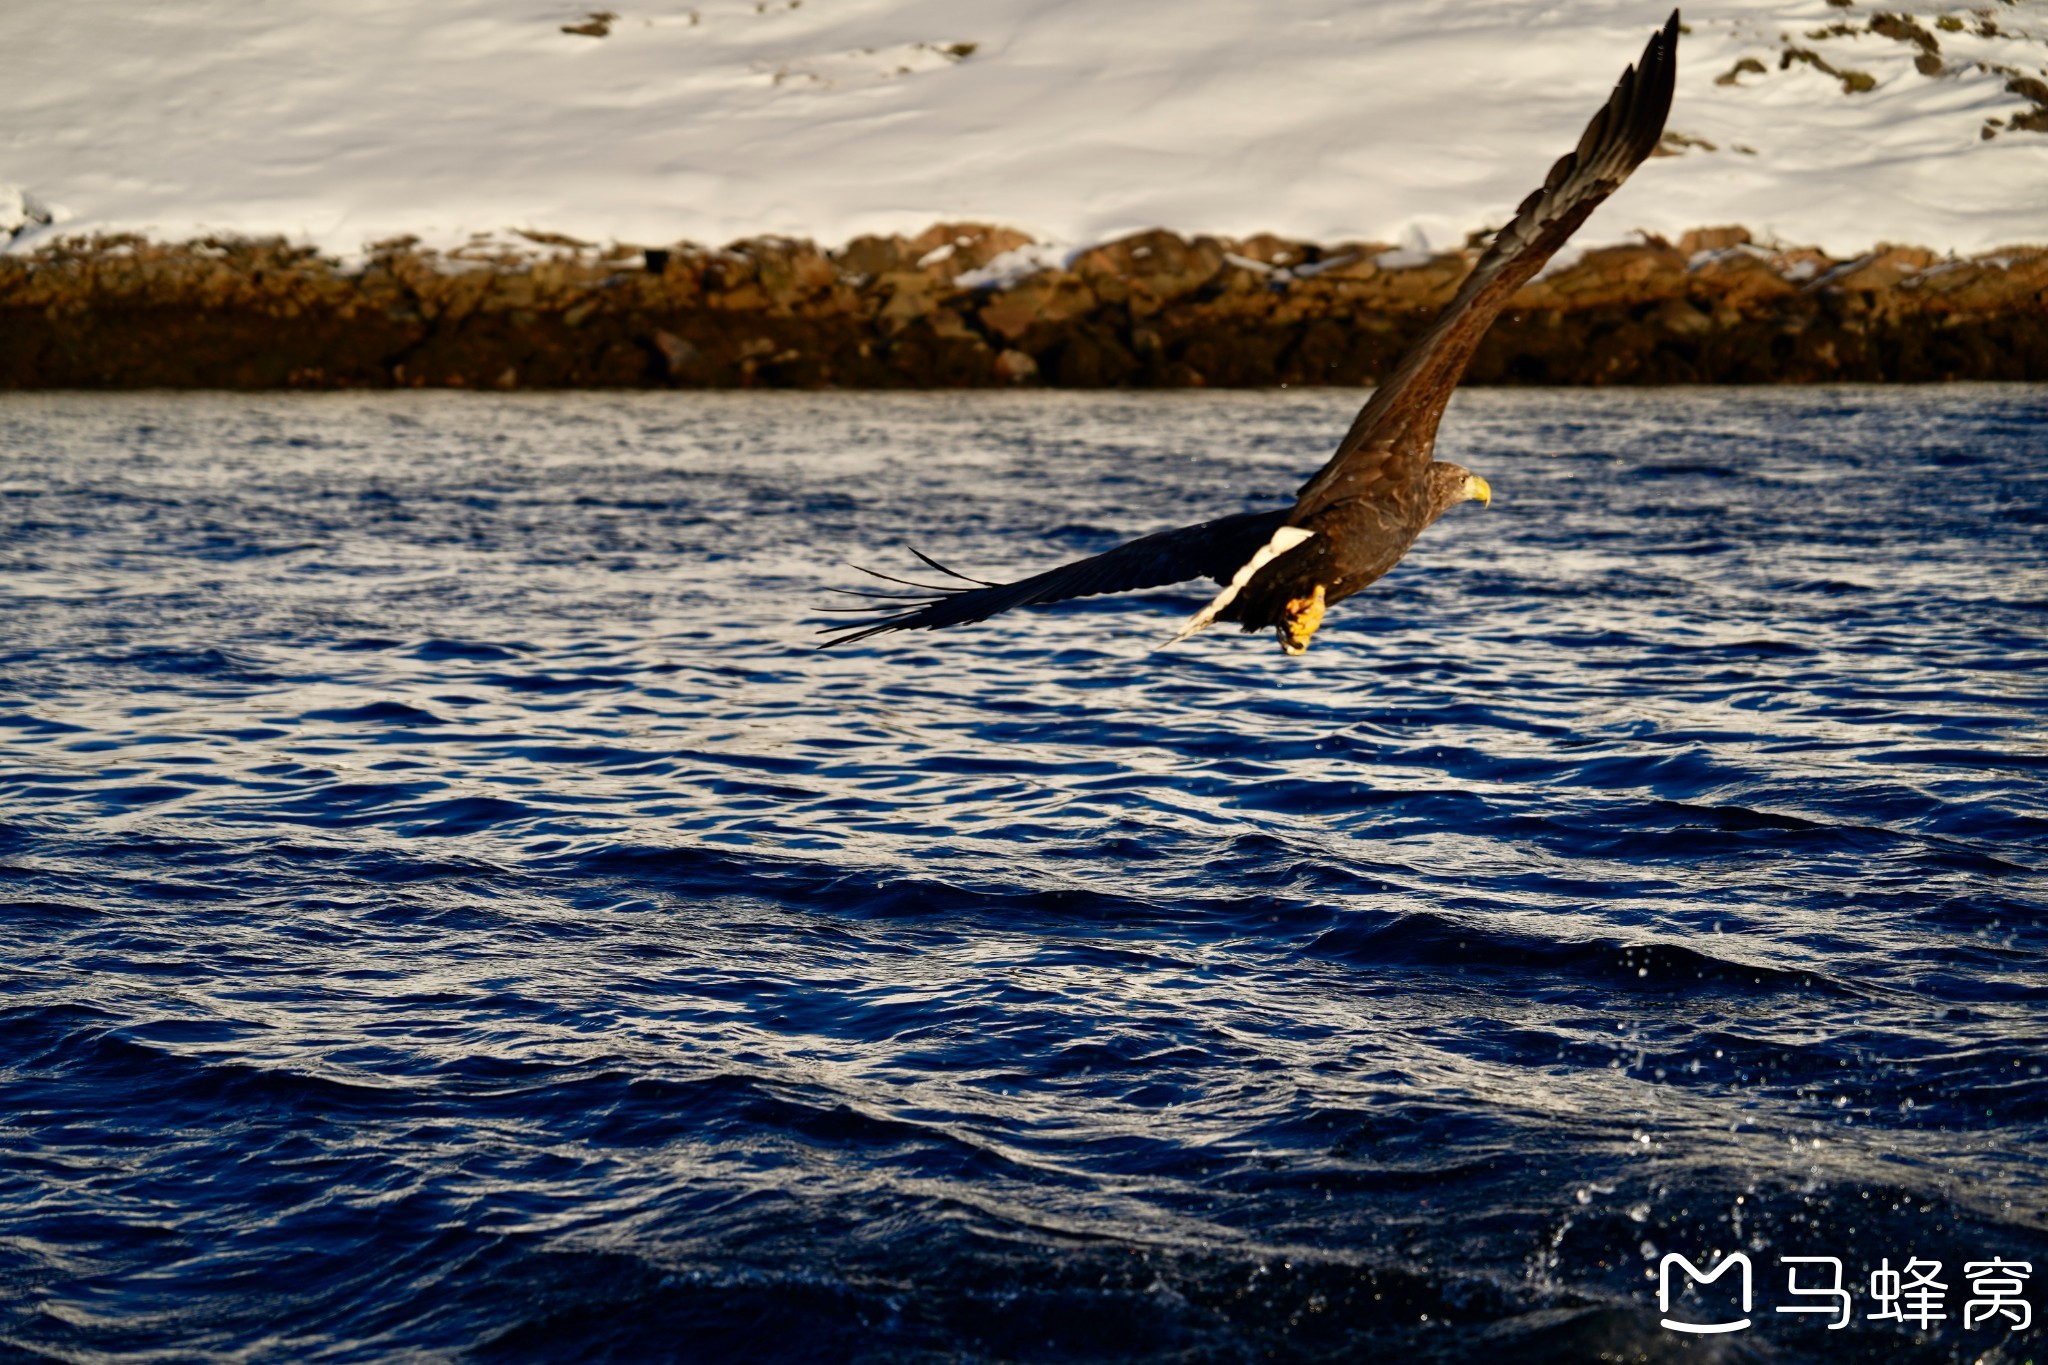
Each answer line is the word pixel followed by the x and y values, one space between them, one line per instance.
pixel 1211 549
pixel 1391 440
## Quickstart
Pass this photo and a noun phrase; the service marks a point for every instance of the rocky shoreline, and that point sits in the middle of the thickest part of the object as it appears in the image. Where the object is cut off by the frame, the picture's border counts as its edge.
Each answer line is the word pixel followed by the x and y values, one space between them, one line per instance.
pixel 964 305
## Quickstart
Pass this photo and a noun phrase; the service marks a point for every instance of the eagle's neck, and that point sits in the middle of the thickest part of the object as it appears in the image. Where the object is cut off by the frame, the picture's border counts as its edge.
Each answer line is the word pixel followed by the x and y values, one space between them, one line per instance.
pixel 1443 487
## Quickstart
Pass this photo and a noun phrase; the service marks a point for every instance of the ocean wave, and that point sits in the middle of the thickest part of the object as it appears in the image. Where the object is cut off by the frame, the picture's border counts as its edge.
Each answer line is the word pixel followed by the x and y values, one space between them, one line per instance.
pixel 450 909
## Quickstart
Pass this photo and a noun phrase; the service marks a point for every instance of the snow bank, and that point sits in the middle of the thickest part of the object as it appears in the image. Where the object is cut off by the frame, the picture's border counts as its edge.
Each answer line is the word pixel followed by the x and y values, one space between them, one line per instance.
pixel 1413 122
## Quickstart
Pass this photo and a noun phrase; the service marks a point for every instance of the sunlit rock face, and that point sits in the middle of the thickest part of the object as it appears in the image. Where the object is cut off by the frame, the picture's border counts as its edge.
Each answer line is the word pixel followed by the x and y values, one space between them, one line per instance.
pixel 971 305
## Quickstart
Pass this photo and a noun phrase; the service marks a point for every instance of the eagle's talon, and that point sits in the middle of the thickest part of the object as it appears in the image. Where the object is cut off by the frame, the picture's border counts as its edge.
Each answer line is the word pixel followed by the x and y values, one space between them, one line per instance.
pixel 1298 623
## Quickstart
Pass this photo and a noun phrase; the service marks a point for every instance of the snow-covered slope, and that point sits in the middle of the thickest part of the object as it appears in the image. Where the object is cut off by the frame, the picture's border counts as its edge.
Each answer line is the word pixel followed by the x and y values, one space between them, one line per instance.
pixel 1414 121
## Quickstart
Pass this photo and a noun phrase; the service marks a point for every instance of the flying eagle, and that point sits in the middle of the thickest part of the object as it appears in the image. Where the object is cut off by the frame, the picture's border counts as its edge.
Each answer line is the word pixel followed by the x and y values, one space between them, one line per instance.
pixel 1355 519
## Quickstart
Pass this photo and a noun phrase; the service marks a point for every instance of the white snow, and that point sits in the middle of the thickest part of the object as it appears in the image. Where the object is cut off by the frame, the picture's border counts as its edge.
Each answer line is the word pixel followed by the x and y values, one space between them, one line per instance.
pixel 1410 122
pixel 21 211
pixel 1015 264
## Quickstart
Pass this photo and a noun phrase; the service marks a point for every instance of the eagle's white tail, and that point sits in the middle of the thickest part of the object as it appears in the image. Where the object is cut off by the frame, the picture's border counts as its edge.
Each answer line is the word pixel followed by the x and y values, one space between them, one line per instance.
pixel 1284 539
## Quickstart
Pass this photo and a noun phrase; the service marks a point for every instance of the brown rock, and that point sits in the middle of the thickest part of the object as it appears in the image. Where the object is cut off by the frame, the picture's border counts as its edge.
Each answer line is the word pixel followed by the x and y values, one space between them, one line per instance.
pixel 1281 252
pixel 1988 283
pixel 1801 265
pixel 1617 274
pixel 871 256
pixel 1739 281
pixel 732 279
pixel 1049 296
pixel 907 295
pixel 678 355
pixel 952 249
pixel 1150 268
pixel 1882 270
pixel 1351 261
pixel 948 323
pixel 1853 82
pixel 1682 318
pixel 1153 309
pixel 1712 239
pixel 1900 28
pixel 1015 367
pixel 1430 284
pixel 788 272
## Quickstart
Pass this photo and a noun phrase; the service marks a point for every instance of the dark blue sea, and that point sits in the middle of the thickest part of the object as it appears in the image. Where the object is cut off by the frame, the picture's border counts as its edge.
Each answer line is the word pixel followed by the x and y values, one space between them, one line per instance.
pixel 449 911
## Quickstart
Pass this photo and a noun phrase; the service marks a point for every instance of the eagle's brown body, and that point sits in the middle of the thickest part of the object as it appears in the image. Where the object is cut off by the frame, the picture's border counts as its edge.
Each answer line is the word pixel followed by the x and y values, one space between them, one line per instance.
pixel 1355 541
pixel 1358 516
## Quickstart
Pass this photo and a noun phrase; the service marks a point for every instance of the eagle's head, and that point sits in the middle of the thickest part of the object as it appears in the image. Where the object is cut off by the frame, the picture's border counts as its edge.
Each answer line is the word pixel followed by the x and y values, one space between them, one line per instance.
pixel 1451 484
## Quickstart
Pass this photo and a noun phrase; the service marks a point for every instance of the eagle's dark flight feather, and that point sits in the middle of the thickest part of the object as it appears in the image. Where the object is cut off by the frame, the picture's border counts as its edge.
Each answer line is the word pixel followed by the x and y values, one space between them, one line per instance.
pixel 1212 549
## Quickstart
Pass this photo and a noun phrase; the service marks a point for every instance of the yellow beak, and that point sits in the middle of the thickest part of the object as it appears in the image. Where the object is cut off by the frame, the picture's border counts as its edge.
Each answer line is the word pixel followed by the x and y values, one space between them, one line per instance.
pixel 1478 489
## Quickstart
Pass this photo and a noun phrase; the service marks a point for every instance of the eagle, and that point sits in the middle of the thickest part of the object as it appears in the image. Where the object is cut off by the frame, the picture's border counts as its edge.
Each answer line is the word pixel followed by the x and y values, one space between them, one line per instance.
pixel 1357 517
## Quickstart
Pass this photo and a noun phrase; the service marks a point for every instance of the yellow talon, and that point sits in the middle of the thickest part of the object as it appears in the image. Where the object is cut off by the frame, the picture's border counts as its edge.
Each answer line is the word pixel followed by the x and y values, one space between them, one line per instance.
pixel 1300 620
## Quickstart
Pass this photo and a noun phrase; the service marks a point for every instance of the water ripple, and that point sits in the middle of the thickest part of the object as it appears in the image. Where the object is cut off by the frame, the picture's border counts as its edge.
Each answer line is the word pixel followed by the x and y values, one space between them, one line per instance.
pixel 450 909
